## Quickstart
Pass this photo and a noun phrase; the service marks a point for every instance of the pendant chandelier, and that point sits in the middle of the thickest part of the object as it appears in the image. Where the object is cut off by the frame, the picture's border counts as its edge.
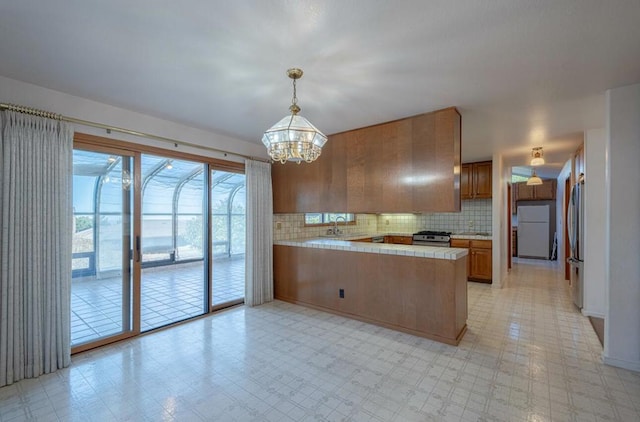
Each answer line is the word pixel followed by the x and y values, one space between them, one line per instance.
pixel 294 138
pixel 534 180
pixel 537 157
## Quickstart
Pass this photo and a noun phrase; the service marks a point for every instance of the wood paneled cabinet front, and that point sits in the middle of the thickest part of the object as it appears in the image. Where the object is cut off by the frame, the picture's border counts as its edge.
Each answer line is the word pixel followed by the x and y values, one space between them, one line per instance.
pixel 479 260
pixel 475 180
pixel 545 191
pixel 399 240
pixel 379 168
pixel 297 188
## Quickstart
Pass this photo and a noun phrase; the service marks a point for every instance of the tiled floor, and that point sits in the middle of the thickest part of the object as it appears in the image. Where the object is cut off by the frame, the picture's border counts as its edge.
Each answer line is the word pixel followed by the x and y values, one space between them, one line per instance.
pixel 169 294
pixel 528 356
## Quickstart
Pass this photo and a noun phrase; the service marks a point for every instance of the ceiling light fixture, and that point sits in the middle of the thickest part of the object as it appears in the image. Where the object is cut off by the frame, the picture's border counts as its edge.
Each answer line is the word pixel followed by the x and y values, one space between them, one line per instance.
pixel 293 138
pixel 537 155
pixel 534 180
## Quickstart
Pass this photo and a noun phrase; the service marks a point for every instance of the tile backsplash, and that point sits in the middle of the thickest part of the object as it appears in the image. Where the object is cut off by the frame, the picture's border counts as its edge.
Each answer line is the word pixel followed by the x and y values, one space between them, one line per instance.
pixel 475 216
pixel 291 226
pixel 398 223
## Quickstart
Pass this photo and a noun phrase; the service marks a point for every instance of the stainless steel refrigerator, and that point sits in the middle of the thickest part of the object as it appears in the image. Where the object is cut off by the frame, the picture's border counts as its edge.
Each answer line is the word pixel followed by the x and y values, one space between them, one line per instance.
pixel 575 226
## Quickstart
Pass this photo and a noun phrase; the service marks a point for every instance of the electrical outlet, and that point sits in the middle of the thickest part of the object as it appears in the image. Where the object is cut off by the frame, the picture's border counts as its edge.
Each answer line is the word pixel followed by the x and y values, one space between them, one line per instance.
pixel 341 293
pixel 386 221
pixel 470 224
pixel 278 225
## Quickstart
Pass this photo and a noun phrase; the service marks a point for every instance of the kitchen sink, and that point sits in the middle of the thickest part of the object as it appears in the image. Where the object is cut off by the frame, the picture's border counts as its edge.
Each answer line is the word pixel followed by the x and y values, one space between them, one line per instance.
pixel 343 235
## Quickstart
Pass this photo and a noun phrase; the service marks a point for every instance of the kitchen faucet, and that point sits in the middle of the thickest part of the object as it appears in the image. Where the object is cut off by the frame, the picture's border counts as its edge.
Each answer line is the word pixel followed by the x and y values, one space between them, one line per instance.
pixel 335 224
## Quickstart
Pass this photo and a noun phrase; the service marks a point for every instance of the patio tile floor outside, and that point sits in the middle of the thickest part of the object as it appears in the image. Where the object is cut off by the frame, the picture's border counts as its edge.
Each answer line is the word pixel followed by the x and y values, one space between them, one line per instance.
pixel 169 294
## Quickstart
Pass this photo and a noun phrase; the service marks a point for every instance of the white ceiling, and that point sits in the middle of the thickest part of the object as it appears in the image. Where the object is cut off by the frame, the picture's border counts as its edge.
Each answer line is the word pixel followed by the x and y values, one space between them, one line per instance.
pixel 523 73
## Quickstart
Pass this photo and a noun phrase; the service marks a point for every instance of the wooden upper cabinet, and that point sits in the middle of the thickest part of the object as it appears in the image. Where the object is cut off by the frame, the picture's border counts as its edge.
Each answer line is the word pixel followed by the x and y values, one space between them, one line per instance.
pixel 408 165
pixel 377 159
pixel 475 180
pixel 545 191
pixel 466 181
pixel 435 176
pixel 525 192
pixel 482 173
pixel 296 187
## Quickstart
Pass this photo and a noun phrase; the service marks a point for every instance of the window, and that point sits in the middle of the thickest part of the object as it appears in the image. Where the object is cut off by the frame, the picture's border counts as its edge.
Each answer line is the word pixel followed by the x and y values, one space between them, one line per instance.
pixel 312 219
pixel 515 178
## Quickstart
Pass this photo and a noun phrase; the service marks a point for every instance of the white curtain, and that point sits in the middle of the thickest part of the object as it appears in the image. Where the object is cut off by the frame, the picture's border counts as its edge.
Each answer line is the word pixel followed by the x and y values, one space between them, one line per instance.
pixel 259 257
pixel 35 245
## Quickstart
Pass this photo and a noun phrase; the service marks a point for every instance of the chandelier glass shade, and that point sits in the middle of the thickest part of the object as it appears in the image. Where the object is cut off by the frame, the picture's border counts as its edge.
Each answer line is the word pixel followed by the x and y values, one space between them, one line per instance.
pixel 534 180
pixel 537 157
pixel 294 138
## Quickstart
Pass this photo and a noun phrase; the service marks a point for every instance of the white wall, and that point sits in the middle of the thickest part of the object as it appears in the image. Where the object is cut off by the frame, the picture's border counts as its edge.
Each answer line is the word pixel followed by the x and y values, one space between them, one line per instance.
pixel 24 94
pixel 594 236
pixel 561 212
pixel 500 176
pixel 622 228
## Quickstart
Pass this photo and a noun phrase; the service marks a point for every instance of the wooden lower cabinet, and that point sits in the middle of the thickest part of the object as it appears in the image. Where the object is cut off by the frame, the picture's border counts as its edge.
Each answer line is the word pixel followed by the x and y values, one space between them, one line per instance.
pixel 399 240
pixel 421 296
pixel 479 262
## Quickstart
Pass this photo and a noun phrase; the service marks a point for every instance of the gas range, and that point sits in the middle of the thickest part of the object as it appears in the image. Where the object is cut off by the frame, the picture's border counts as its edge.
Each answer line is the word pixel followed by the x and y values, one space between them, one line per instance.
pixel 432 238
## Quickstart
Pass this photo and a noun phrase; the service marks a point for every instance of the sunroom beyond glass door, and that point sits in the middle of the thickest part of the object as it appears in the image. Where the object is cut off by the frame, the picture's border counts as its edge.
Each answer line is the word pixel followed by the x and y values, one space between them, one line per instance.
pixel 173 281
pixel 228 221
pixel 102 231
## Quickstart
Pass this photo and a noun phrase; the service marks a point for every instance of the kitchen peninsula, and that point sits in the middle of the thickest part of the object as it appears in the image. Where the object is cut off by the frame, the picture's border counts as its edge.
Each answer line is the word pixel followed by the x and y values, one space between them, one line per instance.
pixel 420 290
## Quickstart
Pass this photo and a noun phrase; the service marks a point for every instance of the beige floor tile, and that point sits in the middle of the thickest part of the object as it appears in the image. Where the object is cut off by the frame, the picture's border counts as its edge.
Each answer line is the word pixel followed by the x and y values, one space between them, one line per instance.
pixel 528 355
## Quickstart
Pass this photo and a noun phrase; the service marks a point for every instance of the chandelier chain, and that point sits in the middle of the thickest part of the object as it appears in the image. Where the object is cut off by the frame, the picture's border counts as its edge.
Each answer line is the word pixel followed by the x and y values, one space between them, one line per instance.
pixel 294 100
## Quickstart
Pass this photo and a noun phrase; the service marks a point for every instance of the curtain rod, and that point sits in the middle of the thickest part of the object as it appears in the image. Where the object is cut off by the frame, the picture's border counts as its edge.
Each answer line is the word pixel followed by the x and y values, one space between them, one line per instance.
pixel 109 129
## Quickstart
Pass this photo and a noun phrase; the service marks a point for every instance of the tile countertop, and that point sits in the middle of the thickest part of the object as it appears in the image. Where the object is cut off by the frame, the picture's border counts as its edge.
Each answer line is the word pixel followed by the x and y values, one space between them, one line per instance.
pixel 345 244
pixel 471 236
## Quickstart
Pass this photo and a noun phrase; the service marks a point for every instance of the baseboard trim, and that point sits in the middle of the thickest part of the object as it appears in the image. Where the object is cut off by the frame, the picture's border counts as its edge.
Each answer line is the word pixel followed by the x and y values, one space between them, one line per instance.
pixel 589 313
pixel 632 366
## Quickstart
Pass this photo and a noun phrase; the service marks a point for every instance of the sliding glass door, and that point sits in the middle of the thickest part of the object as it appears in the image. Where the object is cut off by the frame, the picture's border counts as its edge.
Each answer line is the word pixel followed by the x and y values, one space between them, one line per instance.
pixel 174 274
pixel 101 305
pixel 228 218
pixel 157 239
